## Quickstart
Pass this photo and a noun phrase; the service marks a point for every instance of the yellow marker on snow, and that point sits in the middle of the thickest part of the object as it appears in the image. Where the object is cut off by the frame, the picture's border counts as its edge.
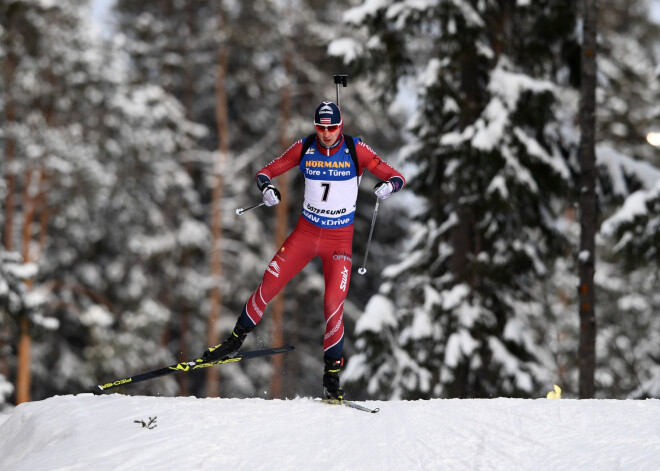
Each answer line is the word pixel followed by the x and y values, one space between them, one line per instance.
pixel 556 394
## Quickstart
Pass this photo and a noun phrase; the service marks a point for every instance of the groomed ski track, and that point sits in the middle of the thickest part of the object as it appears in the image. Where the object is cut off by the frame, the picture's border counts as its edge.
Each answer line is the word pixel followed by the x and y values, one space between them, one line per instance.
pixel 86 432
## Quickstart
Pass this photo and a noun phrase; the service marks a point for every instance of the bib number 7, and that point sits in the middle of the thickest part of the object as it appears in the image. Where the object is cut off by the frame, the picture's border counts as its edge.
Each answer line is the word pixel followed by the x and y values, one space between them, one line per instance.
pixel 326 190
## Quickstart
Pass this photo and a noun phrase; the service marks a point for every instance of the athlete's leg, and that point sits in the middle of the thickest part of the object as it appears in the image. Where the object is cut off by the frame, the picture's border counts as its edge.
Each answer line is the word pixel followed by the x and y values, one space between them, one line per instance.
pixel 336 257
pixel 296 252
pixel 299 248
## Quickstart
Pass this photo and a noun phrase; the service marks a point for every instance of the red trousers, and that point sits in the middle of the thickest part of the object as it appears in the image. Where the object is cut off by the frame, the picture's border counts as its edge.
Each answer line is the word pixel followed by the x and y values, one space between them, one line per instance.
pixel 334 247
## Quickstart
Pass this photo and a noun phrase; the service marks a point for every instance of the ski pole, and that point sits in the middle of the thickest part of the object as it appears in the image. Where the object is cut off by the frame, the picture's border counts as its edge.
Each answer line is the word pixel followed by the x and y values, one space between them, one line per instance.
pixel 240 211
pixel 362 270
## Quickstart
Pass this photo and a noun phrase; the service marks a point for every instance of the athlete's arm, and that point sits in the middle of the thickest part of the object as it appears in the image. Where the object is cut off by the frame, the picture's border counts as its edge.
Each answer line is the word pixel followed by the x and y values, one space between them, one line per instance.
pixel 289 159
pixel 368 159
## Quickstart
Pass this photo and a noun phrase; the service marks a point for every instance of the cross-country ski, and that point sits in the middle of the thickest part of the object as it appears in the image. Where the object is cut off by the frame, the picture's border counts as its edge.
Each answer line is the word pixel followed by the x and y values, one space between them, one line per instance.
pixel 351 404
pixel 185 366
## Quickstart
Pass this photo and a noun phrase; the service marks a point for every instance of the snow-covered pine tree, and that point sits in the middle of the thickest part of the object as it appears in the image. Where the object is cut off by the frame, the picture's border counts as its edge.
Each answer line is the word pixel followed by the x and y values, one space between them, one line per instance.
pixel 460 314
pixel 627 65
pixel 41 83
pixel 631 324
pixel 627 347
pixel 260 33
pixel 119 202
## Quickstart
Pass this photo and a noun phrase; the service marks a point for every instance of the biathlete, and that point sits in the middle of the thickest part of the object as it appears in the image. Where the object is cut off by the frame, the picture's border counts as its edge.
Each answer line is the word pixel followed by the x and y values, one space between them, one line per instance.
pixel 332 164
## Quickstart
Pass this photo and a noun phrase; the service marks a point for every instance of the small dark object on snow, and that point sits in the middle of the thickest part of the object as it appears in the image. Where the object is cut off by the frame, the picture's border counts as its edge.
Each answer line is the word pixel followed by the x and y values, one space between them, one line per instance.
pixel 150 425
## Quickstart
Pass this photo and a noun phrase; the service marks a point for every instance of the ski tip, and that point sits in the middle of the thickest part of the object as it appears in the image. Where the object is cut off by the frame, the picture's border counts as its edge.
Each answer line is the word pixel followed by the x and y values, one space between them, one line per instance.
pixel 98 389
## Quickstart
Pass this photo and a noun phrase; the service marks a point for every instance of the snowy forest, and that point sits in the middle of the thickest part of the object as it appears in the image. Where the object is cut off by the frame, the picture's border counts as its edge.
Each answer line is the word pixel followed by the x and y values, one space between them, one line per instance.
pixel 127 145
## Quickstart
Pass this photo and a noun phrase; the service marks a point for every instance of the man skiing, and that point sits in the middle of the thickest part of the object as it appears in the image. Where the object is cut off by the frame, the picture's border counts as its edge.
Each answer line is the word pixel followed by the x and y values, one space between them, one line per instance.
pixel 332 165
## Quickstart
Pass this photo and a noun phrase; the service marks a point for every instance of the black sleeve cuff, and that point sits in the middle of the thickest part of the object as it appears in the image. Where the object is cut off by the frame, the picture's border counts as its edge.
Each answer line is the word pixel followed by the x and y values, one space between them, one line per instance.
pixel 262 181
pixel 397 183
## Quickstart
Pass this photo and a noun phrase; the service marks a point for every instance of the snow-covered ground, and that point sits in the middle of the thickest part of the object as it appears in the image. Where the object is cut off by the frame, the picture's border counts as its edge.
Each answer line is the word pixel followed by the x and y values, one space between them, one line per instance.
pixel 88 432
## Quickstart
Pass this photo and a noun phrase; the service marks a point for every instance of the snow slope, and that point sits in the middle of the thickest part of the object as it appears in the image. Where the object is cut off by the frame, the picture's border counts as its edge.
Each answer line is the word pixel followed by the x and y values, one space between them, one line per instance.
pixel 88 432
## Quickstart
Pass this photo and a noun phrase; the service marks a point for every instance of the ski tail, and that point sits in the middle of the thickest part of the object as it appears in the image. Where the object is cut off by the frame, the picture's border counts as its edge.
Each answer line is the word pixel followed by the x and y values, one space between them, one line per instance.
pixel 187 366
pixel 351 404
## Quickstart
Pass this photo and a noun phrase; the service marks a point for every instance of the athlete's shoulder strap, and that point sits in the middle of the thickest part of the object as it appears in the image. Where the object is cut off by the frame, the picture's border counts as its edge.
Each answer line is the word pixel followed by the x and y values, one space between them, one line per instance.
pixel 306 145
pixel 350 144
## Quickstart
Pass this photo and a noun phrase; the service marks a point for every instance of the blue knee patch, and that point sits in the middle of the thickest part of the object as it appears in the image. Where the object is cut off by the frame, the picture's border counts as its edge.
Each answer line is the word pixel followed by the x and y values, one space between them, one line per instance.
pixel 335 351
pixel 244 319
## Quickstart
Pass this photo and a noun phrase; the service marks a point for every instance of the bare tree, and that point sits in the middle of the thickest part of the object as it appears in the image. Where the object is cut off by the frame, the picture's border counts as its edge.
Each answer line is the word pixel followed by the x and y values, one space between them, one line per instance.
pixel 10 154
pixel 587 201
pixel 221 113
pixel 282 211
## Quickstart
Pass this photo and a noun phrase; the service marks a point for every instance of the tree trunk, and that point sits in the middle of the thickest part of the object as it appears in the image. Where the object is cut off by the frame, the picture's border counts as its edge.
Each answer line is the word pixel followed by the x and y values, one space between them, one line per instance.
pixel 187 100
pixel 281 211
pixel 461 240
pixel 463 232
pixel 221 114
pixel 10 154
pixel 10 178
pixel 184 389
pixel 587 200
pixel 23 377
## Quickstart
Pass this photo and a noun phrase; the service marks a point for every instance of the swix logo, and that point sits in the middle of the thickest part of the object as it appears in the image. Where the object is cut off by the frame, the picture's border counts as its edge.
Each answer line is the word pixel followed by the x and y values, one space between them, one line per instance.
pixel 344 279
pixel 273 269
pixel 326 108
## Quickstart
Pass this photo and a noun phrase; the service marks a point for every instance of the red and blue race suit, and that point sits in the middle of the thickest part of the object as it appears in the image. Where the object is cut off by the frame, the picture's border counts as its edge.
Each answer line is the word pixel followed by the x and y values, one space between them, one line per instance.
pixel 324 229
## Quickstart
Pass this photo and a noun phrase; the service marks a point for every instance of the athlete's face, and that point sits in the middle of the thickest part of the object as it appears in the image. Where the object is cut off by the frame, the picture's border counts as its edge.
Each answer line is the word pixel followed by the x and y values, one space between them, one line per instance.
pixel 326 136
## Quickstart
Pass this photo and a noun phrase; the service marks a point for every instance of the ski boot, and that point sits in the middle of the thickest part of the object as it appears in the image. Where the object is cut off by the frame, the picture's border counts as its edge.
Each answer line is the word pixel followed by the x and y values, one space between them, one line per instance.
pixel 229 348
pixel 331 388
